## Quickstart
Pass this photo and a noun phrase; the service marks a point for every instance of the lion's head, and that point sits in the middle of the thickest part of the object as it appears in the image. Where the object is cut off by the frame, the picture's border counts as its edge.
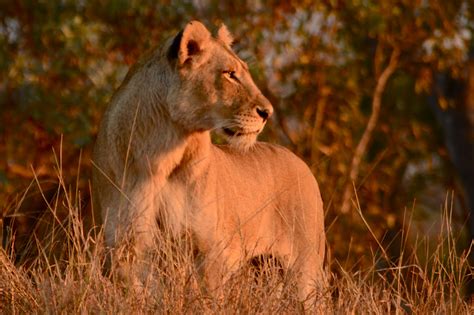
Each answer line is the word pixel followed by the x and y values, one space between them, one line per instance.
pixel 214 89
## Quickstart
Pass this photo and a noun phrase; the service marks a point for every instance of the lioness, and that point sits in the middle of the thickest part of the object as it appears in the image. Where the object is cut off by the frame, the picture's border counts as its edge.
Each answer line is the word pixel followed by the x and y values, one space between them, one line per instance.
pixel 154 159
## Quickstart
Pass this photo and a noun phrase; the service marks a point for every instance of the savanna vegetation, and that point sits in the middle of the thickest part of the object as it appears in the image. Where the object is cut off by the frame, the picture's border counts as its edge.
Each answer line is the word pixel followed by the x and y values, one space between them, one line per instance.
pixel 376 96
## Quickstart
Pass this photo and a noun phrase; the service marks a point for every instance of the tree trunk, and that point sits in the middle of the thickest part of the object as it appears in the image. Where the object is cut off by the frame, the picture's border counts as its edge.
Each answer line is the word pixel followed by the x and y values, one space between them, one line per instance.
pixel 458 128
pixel 371 124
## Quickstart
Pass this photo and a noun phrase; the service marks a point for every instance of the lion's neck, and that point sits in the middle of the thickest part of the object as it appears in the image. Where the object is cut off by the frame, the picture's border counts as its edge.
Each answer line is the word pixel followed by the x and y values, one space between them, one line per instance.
pixel 198 149
pixel 195 158
pixel 164 143
pixel 186 152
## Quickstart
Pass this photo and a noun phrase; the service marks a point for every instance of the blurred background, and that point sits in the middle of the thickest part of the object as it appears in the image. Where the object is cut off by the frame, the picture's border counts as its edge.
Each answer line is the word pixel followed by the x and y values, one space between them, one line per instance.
pixel 376 96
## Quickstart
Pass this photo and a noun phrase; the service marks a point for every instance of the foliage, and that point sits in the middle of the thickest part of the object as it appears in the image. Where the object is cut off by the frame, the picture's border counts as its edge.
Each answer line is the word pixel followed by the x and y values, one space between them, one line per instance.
pixel 318 62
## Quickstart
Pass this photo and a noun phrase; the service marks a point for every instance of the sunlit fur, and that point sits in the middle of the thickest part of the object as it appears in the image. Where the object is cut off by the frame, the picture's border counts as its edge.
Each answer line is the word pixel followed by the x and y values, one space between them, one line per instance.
pixel 154 159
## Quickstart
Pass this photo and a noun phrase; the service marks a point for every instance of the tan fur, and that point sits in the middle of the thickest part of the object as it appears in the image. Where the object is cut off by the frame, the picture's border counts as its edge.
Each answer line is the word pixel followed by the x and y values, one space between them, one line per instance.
pixel 154 158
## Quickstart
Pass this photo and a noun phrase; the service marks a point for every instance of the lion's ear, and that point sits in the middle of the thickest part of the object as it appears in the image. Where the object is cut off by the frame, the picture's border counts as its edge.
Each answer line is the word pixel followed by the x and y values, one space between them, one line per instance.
pixel 189 43
pixel 224 35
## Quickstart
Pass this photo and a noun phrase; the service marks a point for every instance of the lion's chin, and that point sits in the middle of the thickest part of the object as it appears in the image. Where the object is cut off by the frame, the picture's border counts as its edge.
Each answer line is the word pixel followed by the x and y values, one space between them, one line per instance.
pixel 242 142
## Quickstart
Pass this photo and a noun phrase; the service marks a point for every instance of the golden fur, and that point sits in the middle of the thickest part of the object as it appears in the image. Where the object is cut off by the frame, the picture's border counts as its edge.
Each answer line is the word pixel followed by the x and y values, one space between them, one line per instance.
pixel 154 158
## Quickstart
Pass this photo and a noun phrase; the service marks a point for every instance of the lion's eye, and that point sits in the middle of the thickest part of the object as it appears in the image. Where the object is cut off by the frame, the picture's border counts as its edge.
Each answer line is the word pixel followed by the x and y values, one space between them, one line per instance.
pixel 230 74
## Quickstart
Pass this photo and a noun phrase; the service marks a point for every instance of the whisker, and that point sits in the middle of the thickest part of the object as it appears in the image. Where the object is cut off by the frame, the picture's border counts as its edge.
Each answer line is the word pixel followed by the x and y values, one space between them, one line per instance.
pixel 227 123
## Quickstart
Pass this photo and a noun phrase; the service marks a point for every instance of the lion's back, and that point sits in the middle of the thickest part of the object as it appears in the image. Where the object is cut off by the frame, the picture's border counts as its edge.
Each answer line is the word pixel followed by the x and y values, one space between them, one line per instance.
pixel 263 159
pixel 269 171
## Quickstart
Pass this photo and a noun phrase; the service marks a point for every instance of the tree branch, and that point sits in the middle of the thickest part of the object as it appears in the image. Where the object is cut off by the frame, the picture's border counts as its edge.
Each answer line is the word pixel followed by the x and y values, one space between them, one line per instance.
pixel 366 137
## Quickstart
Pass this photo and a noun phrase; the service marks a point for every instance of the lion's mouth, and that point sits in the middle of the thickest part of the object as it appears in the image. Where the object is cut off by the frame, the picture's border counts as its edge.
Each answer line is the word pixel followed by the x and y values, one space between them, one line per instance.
pixel 230 132
pixel 238 133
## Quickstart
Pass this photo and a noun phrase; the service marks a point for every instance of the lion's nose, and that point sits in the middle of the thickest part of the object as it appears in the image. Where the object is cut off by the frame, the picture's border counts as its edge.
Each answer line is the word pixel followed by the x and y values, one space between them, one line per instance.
pixel 264 111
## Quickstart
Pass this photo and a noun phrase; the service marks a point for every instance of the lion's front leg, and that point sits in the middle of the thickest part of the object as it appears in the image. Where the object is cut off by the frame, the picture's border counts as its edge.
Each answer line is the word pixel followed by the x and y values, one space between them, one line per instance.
pixel 219 265
pixel 311 278
pixel 130 235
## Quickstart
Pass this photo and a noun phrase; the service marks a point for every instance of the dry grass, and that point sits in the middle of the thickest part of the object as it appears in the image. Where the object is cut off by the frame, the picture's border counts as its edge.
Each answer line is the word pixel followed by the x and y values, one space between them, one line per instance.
pixel 65 275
